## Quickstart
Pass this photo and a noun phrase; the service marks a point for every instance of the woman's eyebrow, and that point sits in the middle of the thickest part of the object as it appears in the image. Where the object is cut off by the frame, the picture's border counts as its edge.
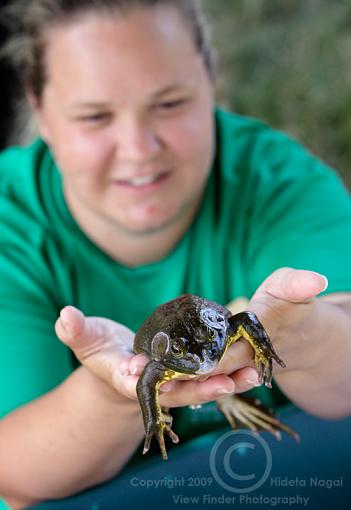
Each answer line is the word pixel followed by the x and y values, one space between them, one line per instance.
pixel 89 105
pixel 176 87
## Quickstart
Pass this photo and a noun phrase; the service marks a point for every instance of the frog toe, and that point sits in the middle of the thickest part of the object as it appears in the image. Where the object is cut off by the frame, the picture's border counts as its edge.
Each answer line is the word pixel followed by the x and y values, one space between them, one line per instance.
pixel 249 413
pixel 159 430
pixel 246 325
pixel 265 368
pixel 147 442
pixel 164 428
pixel 167 418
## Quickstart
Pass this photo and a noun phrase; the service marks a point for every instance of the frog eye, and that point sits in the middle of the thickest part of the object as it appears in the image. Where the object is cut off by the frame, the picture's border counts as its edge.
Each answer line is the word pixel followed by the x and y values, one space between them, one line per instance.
pixel 176 350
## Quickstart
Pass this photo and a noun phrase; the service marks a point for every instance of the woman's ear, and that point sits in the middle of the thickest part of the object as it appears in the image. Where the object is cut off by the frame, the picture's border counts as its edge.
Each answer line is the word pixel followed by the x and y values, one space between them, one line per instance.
pixel 39 114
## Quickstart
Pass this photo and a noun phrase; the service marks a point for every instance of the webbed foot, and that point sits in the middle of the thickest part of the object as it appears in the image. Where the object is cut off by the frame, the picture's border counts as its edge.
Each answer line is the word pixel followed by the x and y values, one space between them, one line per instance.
pixel 250 413
pixel 158 428
pixel 247 326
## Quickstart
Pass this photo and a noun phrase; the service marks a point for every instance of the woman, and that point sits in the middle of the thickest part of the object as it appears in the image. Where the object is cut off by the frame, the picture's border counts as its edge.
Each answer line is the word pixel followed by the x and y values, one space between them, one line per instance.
pixel 137 191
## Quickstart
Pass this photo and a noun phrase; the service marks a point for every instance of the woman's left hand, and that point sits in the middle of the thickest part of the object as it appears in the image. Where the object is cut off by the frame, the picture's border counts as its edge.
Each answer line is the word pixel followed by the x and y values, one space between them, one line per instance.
pixel 285 303
pixel 310 334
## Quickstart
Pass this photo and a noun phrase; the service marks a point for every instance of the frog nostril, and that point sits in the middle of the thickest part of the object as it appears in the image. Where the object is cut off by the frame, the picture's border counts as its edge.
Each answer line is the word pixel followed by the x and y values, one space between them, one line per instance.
pixel 211 334
pixel 204 355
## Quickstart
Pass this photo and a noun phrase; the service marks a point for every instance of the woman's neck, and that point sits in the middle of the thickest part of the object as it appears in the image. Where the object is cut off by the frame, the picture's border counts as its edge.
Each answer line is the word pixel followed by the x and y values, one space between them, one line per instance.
pixel 128 247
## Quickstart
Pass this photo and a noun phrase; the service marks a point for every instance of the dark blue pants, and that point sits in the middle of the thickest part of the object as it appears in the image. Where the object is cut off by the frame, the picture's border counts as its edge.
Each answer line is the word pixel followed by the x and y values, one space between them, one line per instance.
pixel 225 469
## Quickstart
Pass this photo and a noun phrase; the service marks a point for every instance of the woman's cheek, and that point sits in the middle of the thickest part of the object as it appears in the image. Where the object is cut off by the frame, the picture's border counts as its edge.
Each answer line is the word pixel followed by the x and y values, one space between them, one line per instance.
pixel 193 136
pixel 87 153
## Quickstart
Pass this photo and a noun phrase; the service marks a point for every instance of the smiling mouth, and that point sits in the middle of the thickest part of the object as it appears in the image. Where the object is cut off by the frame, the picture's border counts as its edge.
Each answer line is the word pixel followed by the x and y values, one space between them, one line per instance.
pixel 143 181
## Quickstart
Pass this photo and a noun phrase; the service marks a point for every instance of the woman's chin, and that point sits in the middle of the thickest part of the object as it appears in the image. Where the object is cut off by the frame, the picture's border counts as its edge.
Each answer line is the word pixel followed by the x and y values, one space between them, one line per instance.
pixel 147 225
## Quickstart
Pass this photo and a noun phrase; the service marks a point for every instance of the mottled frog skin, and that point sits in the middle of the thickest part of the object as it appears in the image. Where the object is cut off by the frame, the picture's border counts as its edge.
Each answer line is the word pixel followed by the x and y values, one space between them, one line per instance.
pixel 189 336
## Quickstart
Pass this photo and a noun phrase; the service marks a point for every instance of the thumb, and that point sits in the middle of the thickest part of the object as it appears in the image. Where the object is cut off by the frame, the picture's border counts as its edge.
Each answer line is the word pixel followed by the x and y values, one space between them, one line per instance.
pixel 87 336
pixel 101 344
pixel 294 285
pixel 73 329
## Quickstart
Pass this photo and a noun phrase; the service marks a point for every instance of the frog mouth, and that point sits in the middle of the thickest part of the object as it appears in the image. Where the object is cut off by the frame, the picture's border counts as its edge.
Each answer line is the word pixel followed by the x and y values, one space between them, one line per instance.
pixel 206 364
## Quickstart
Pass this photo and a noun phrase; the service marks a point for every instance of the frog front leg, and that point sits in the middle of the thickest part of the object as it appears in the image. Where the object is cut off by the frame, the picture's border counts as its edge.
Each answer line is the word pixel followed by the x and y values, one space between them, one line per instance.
pixel 157 421
pixel 247 326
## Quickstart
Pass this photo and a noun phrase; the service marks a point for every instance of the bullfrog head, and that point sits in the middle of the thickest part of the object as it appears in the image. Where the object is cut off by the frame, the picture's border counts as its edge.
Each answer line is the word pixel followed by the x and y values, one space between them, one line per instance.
pixel 189 336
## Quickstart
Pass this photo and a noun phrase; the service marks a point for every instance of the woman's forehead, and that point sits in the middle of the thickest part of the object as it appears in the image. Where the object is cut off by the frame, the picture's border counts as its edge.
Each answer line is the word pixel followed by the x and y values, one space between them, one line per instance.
pixel 139 26
pixel 123 52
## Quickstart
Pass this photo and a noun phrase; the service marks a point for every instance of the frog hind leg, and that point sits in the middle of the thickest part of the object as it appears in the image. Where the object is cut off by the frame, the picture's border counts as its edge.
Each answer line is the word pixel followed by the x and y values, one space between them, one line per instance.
pixel 249 413
pixel 246 325
pixel 157 421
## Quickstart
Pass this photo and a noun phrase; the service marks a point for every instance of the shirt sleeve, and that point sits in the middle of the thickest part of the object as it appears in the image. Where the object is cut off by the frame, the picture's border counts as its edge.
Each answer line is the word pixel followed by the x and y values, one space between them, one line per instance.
pixel 32 359
pixel 300 216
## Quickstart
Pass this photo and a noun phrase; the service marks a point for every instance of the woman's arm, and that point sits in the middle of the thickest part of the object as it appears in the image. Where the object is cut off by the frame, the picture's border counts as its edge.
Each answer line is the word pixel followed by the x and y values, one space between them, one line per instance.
pixel 84 431
pixel 69 439
pixel 318 377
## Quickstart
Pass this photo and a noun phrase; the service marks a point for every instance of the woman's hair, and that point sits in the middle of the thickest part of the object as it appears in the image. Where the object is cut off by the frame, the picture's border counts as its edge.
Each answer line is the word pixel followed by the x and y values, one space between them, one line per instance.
pixel 30 20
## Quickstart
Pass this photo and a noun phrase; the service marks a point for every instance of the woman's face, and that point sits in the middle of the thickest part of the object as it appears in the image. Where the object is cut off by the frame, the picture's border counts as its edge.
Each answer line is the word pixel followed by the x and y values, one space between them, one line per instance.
pixel 127 110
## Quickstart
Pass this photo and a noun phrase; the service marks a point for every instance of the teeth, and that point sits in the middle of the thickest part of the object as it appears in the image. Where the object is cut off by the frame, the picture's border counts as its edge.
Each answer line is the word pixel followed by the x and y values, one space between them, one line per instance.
pixel 142 181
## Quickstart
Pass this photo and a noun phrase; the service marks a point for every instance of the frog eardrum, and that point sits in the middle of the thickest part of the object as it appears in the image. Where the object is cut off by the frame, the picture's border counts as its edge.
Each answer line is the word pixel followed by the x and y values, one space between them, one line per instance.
pixel 189 336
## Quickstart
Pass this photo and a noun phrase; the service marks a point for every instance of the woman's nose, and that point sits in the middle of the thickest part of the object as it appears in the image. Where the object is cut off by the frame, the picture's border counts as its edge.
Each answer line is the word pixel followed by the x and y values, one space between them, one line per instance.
pixel 137 141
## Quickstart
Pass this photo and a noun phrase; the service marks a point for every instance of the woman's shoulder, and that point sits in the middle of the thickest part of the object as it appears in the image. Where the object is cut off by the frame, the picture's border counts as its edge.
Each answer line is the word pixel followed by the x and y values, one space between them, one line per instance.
pixel 239 131
pixel 22 187
pixel 19 160
pixel 249 146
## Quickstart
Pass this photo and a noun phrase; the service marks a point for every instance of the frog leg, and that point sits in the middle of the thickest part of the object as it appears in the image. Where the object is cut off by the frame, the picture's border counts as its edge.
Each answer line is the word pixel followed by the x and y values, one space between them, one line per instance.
pixel 250 413
pixel 246 325
pixel 157 421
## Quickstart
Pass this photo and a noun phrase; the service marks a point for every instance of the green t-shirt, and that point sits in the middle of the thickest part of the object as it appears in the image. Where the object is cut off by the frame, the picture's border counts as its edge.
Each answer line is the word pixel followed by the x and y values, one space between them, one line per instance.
pixel 268 203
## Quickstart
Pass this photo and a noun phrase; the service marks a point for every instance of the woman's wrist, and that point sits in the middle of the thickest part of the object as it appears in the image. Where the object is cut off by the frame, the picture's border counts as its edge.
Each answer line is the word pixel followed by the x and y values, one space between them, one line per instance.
pixel 105 392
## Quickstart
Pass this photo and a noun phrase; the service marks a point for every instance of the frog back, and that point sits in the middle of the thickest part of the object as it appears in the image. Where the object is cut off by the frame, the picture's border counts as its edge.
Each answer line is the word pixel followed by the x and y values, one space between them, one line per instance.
pixel 178 317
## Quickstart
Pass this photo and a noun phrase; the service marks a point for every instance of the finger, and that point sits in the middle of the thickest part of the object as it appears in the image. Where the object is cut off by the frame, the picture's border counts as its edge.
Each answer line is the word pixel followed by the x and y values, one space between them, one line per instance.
pixel 182 393
pixel 84 335
pixel 295 285
pixel 87 335
pixel 125 384
pixel 134 365
pixel 239 355
pixel 72 328
pixel 195 392
pixel 245 379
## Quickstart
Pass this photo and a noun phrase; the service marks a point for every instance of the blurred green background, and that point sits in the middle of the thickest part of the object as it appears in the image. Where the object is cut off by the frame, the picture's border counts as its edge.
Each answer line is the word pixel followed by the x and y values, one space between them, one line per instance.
pixel 288 63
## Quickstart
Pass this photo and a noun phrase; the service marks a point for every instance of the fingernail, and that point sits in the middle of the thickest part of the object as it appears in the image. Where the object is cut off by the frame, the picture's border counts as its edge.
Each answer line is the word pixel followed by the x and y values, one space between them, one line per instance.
pixel 324 278
pixel 223 391
pixel 254 382
pixel 66 326
pixel 136 371
pixel 326 283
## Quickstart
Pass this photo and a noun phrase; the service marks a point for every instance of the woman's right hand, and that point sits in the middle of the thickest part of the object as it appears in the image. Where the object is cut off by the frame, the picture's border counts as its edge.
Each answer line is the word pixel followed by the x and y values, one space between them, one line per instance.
pixel 102 346
pixel 105 348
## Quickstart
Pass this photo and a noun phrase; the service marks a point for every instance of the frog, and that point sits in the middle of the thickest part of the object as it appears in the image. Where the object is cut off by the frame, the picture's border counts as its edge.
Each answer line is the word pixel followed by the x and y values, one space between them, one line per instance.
pixel 187 337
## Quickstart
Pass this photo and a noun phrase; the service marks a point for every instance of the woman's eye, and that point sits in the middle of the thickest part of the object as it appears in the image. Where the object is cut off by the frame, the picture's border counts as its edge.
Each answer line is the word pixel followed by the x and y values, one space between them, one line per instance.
pixel 169 105
pixel 95 117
